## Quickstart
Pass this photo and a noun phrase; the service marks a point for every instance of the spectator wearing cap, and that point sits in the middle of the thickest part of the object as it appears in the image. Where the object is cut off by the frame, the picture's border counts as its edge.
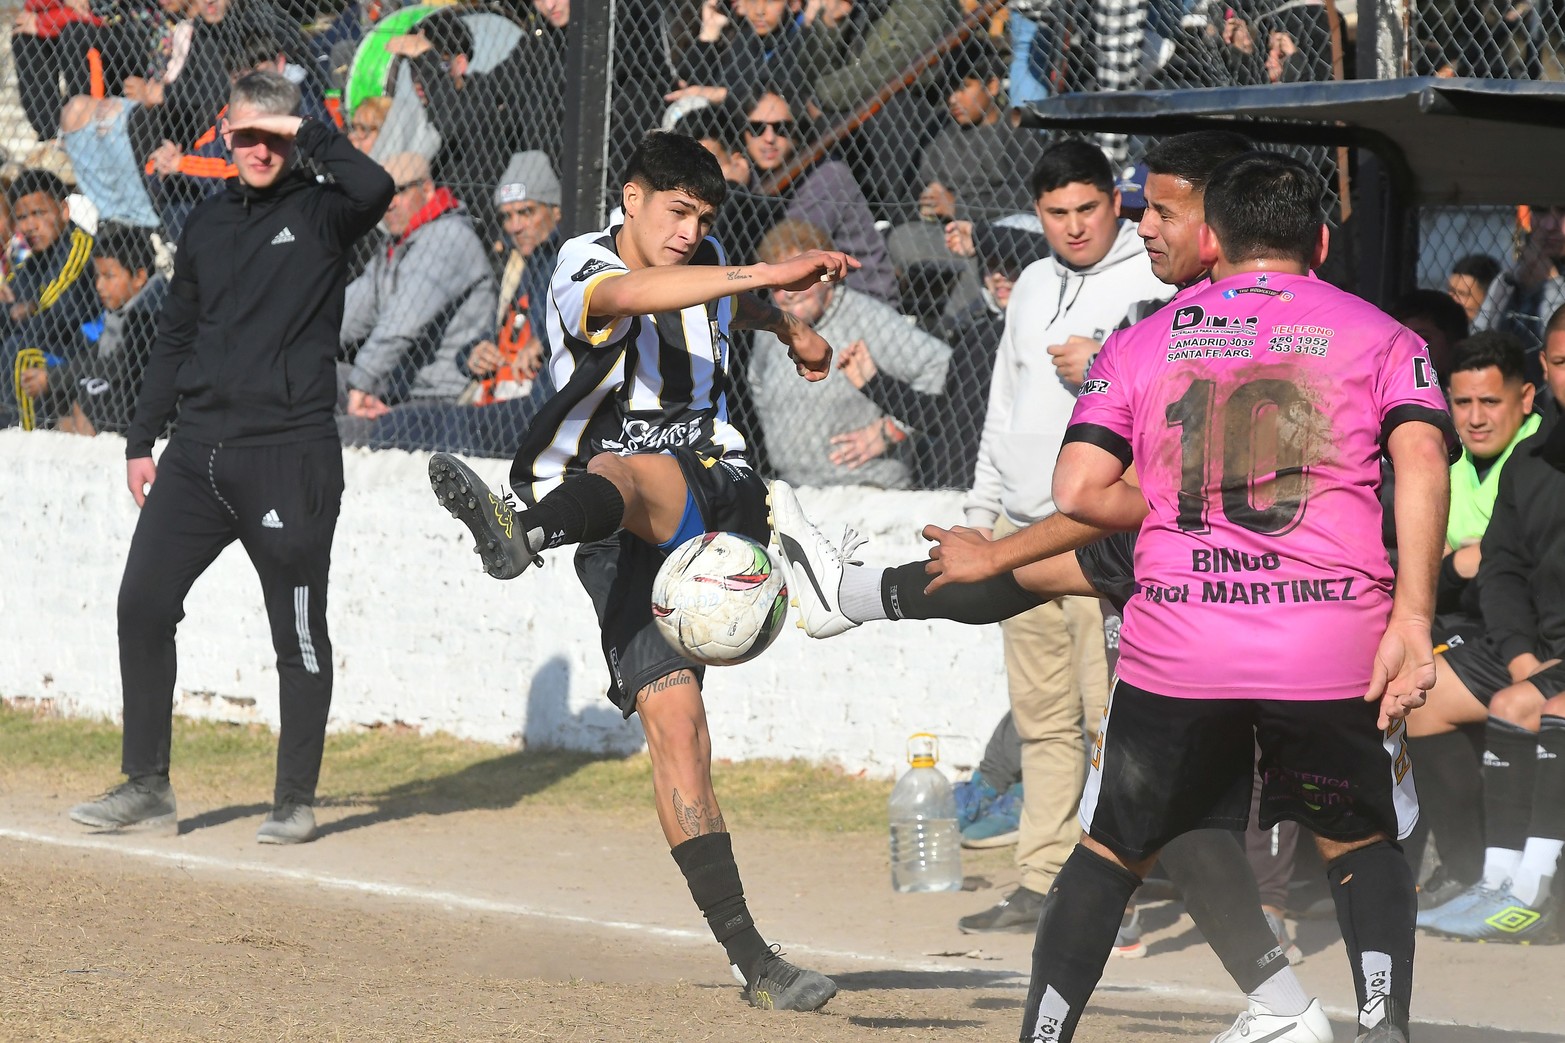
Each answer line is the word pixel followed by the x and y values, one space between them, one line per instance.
pixel 968 172
pixel 824 194
pixel 422 303
pixel 528 202
pixel 1132 186
pixel 951 419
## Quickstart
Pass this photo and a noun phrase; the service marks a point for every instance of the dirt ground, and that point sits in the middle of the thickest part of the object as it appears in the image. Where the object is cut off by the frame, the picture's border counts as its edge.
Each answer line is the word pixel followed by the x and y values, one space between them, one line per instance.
pixel 516 925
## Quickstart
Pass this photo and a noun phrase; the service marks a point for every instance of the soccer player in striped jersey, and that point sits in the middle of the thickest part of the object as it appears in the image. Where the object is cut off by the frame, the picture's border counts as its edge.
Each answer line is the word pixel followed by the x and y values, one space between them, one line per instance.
pixel 636 454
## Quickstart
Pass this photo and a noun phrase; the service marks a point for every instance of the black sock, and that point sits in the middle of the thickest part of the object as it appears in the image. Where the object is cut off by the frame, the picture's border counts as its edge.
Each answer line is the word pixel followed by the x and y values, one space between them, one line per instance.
pixel 1076 931
pixel 1508 775
pixel 708 864
pixel 1376 906
pixel 1210 869
pixel 584 508
pixel 1548 804
pixel 993 600
pixel 1450 801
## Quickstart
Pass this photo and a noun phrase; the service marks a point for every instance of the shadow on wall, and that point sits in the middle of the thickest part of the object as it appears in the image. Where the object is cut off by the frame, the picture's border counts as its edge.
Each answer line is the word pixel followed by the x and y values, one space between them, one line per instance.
pixel 552 725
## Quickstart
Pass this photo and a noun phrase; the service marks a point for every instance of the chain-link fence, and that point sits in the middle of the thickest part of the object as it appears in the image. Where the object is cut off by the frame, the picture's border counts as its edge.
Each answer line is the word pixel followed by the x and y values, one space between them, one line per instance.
pixel 1497 261
pixel 880 126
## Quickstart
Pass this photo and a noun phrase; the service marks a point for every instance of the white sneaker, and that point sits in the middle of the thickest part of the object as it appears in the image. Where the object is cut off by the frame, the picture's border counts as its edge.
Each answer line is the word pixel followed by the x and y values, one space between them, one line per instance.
pixel 814 564
pixel 1259 1025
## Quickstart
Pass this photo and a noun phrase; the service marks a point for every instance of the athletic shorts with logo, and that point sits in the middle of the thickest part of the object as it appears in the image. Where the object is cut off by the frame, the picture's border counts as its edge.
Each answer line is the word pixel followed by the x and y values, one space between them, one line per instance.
pixel 1164 766
pixel 1109 565
pixel 617 572
pixel 1479 665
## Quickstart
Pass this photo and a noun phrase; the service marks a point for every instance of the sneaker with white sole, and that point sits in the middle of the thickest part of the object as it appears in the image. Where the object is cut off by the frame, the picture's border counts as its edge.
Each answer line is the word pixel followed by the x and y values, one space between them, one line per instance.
pixel 814 564
pixel 504 549
pixel 1259 1025
pixel 144 804
pixel 1455 910
pixel 1499 916
pixel 1127 943
pixel 288 824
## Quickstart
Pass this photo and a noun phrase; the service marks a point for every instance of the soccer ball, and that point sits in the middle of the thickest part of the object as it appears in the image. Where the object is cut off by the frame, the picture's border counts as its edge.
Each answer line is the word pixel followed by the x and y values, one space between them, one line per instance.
pixel 720 599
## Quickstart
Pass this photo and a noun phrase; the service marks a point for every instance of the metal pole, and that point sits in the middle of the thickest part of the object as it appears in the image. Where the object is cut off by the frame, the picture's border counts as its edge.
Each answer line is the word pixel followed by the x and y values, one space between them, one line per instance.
pixel 1387 231
pixel 589 69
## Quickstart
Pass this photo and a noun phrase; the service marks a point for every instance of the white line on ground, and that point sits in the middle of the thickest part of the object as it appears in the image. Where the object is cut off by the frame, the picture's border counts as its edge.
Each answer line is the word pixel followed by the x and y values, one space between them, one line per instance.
pixel 1217 998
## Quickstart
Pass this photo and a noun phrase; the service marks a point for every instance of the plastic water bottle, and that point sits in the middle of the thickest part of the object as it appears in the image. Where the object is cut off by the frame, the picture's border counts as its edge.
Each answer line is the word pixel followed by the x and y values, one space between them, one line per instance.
pixel 926 845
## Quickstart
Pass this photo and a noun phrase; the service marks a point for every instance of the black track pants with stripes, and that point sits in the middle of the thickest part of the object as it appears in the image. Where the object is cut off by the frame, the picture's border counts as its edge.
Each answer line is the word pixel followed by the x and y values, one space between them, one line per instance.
pixel 281 503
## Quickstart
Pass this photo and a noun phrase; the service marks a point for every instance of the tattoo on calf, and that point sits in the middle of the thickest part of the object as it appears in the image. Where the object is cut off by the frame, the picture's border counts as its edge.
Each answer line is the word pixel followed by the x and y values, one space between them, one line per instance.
pixel 696 819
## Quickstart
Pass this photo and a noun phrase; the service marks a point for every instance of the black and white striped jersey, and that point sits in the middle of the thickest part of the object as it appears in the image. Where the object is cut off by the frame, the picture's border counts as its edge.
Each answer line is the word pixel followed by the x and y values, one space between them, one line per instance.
pixel 643 383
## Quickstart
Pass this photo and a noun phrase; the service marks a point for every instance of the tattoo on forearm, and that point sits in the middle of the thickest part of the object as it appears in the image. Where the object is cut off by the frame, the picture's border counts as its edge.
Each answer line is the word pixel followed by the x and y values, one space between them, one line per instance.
pixel 696 819
pixel 756 314
pixel 738 275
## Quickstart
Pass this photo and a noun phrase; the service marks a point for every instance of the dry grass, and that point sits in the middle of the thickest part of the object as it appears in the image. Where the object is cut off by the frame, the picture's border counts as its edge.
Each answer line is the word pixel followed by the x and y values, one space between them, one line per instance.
pixel 399 771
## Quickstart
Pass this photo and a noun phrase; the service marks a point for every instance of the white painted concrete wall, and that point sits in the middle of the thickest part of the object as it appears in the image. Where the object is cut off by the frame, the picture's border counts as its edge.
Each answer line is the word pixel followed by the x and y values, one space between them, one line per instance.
pixel 423 638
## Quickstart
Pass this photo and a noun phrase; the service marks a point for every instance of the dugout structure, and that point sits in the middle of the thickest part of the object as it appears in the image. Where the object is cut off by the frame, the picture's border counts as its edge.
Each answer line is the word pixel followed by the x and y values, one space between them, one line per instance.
pixel 1419 142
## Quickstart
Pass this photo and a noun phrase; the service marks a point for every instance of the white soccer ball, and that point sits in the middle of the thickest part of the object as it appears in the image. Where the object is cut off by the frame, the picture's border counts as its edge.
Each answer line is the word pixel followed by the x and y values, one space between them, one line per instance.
pixel 720 599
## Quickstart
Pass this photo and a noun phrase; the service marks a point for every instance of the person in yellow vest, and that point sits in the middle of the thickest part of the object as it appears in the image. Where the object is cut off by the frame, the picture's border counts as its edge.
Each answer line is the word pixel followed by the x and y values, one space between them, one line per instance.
pixel 1492 406
pixel 1491 403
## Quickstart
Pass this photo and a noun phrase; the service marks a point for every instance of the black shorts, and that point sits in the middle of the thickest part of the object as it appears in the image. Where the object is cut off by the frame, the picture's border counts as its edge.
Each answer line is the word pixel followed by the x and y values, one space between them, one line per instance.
pixel 1109 565
pixel 1164 766
pixel 617 573
pixel 1478 664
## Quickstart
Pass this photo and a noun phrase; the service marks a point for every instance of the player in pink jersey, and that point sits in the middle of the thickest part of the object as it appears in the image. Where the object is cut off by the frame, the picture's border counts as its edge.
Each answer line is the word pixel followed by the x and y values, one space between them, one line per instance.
pixel 1256 412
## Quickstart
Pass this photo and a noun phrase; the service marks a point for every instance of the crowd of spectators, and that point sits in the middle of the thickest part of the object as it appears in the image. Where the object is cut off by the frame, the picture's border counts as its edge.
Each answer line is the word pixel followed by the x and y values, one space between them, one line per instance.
pixel 879 127
pixel 883 127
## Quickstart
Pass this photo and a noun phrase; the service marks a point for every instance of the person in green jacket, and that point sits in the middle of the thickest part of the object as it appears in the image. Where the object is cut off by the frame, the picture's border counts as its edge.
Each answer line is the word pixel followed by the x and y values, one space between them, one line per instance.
pixel 1491 403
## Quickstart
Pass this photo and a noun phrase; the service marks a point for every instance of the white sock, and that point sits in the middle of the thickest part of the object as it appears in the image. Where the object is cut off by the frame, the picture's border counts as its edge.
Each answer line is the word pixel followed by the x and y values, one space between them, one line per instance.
pixel 1536 866
pixel 1499 865
pixel 859 594
pixel 1282 994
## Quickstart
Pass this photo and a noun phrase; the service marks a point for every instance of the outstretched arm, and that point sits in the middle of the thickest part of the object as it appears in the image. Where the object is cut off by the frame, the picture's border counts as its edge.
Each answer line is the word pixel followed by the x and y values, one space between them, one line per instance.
pixel 964 555
pixel 675 287
pixel 810 353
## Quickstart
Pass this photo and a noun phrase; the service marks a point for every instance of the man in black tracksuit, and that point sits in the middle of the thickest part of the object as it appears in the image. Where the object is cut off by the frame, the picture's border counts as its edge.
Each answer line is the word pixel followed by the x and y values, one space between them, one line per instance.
pixel 246 350
pixel 1513 680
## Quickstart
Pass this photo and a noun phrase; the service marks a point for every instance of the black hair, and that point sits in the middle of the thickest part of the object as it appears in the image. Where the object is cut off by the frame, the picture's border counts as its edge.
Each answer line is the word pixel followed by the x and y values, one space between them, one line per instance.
pixel 129 246
pixel 666 161
pixel 1496 348
pixel 1480 266
pixel 33 180
pixel 1265 205
pixel 1067 163
pixel 720 123
pixel 1192 157
pixel 976 59
pixel 447 33
pixel 257 46
pixel 1449 317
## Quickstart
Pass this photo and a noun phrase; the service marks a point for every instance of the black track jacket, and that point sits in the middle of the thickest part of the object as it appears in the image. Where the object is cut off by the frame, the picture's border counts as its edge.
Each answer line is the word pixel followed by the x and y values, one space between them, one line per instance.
pixel 247 341
pixel 1521 582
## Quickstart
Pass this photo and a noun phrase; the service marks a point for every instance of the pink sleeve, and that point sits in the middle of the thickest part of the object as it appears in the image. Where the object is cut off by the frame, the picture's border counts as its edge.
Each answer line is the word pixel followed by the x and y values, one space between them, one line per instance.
pixel 1103 408
pixel 1407 388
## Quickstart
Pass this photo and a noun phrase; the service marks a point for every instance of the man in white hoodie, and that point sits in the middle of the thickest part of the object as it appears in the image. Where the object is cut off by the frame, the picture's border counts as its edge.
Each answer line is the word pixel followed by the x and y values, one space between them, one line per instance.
pixel 1054 654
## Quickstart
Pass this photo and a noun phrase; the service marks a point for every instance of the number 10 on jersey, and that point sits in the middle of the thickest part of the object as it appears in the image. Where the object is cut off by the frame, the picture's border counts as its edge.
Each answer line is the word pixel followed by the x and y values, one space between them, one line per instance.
pixel 1259 415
